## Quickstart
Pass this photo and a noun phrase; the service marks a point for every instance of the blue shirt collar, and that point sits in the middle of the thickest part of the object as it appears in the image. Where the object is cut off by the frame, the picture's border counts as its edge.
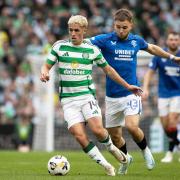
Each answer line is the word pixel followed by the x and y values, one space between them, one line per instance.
pixel 115 36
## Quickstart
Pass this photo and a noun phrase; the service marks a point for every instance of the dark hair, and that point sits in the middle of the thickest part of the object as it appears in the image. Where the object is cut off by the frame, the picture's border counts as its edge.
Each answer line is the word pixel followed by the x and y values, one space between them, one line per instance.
pixel 173 33
pixel 123 14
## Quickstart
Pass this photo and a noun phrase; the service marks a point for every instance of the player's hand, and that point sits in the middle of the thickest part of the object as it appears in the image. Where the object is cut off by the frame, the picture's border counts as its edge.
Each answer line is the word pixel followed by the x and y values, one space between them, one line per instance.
pixel 145 94
pixel 176 59
pixel 44 76
pixel 135 90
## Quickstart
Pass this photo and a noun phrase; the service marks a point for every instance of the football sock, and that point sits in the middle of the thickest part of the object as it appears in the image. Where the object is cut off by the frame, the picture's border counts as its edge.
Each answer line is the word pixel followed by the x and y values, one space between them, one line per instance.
pixel 95 154
pixel 123 148
pixel 172 134
pixel 113 149
pixel 107 142
pixel 142 144
pixel 171 146
pixel 173 139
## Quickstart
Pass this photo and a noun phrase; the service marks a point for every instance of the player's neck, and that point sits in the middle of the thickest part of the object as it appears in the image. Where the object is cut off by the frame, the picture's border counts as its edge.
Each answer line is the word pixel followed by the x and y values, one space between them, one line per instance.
pixel 77 43
pixel 173 51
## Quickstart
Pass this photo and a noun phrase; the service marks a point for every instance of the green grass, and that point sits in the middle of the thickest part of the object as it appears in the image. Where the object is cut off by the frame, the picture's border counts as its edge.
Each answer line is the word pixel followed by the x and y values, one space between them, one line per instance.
pixel 32 166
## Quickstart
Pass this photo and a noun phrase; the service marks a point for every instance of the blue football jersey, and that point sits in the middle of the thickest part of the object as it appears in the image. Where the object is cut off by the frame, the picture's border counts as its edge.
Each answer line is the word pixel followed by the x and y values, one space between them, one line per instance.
pixel 169 76
pixel 122 56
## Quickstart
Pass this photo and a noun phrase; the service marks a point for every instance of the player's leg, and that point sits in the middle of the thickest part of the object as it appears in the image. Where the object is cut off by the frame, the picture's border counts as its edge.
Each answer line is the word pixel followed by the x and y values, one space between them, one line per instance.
pixel 96 126
pixel 172 126
pixel 172 133
pixel 169 154
pixel 117 139
pixel 132 110
pixel 163 108
pixel 132 124
pixel 78 131
pixel 119 142
pixel 174 118
pixel 169 109
pixel 75 121
pixel 114 122
pixel 92 113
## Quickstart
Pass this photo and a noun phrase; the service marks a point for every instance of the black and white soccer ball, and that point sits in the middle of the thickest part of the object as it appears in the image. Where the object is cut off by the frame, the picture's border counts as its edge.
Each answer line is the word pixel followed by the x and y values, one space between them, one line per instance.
pixel 58 165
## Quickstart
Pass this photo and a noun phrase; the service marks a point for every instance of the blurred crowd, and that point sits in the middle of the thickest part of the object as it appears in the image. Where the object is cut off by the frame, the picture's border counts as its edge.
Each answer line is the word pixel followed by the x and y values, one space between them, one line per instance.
pixel 31 27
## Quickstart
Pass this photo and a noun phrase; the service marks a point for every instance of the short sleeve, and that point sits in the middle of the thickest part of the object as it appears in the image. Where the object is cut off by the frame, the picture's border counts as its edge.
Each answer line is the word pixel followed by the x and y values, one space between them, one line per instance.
pixel 99 60
pixel 52 57
pixel 142 43
pixel 154 63
pixel 98 40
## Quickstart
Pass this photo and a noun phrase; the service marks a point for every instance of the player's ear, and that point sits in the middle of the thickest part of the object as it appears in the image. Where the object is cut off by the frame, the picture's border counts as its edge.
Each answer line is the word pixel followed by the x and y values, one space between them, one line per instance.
pixel 132 25
pixel 85 30
pixel 114 25
pixel 166 42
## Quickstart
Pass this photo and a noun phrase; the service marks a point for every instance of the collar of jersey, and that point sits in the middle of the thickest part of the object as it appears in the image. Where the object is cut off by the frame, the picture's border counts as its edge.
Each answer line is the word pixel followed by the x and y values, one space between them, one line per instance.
pixel 177 52
pixel 116 38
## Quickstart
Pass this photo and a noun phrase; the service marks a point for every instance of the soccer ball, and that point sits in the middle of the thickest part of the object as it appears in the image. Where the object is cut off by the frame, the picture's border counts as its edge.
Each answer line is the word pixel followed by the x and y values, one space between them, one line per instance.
pixel 58 165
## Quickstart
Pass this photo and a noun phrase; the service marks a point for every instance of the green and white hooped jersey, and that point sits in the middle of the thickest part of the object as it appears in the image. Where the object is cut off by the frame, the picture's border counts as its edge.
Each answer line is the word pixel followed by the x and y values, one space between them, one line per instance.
pixel 75 67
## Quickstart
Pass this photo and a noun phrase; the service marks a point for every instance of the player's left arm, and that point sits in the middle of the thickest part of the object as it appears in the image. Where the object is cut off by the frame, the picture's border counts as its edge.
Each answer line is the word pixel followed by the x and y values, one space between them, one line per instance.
pixel 109 71
pixel 156 50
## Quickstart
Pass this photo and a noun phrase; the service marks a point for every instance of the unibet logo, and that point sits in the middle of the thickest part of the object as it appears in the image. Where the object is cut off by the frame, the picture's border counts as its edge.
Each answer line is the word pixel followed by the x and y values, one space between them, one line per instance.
pixel 74 72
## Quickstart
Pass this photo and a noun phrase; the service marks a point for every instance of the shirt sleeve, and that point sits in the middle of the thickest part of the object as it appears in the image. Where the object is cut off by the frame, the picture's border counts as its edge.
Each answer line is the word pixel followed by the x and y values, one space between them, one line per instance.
pixel 98 40
pixel 99 60
pixel 52 57
pixel 154 63
pixel 143 44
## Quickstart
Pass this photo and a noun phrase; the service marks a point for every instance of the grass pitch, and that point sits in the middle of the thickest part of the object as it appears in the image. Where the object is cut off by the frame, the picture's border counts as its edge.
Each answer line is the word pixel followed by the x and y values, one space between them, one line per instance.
pixel 33 166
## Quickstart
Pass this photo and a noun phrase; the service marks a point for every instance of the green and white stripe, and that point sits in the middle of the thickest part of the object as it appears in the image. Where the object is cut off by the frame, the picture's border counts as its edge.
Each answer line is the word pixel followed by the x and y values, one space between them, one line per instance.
pixel 75 67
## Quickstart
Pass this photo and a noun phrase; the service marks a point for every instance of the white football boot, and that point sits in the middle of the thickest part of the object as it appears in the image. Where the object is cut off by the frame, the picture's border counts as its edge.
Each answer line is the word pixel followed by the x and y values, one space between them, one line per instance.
pixel 167 158
pixel 150 163
pixel 118 154
pixel 110 170
pixel 124 167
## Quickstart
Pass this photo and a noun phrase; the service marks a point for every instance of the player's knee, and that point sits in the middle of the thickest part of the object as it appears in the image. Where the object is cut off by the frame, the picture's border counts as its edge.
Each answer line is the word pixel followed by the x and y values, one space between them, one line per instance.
pixel 80 137
pixel 115 138
pixel 132 129
pixel 99 132
pixel 173 119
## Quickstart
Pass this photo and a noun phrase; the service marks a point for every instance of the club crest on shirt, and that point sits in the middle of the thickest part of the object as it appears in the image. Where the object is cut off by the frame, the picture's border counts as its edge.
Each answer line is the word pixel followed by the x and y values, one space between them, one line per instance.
pixel 85 55
pixel 133 43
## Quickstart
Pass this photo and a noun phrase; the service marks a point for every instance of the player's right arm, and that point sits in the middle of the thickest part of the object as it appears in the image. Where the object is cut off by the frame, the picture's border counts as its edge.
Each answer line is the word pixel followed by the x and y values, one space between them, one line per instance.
pixel 146 82
pixel 44 77
pixel 51 60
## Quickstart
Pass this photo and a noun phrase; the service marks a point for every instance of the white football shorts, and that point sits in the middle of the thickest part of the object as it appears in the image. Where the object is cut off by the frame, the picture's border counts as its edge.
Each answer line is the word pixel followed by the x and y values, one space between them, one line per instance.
pixel 167 105
pixel 118 108
pixel 80 109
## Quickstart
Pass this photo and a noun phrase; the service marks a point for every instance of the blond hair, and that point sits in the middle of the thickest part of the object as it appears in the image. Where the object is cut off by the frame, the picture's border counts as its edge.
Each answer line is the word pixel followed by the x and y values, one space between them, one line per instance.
pixel 79 19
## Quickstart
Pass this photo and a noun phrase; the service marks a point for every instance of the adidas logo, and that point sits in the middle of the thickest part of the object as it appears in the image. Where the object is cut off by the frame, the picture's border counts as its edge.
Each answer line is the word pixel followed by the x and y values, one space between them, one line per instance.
pixel 95 112
pixel 66 54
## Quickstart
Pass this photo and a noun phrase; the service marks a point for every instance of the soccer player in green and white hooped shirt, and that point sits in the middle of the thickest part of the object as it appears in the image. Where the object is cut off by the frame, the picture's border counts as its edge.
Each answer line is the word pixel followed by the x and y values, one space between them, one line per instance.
pixel 75 58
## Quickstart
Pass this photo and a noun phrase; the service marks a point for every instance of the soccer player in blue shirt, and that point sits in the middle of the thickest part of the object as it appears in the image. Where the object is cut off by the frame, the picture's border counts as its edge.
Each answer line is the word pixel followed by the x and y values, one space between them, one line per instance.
pixel 120 49
pixel 168 91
